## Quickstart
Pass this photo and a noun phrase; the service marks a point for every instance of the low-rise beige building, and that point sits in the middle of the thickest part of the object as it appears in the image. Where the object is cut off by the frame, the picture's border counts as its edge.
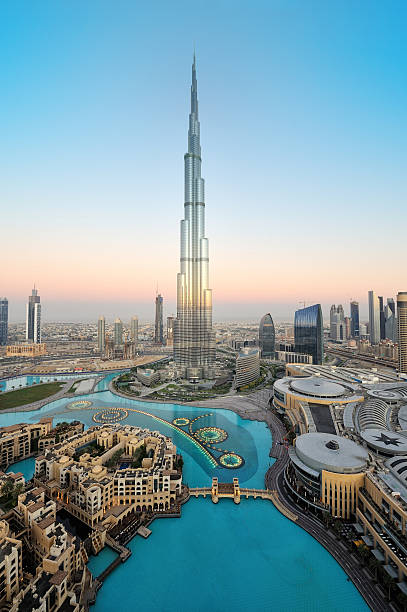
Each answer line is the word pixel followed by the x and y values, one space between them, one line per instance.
pixel 20 441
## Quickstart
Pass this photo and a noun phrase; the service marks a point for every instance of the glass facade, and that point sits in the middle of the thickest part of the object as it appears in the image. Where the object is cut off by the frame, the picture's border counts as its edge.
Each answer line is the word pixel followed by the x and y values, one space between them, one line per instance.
pixel 3 320
pixel 267 336
pixel 309 332
pixel 354 319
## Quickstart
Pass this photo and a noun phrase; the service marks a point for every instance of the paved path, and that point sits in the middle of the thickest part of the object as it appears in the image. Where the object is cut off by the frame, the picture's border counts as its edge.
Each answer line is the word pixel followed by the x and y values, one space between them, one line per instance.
pixel 274 479
pixel 37 405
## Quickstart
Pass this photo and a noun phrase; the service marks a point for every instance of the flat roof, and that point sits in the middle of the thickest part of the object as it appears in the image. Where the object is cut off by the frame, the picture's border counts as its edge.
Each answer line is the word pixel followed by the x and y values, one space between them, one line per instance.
pixel 385 441
pixel 318 387
pixel 325 451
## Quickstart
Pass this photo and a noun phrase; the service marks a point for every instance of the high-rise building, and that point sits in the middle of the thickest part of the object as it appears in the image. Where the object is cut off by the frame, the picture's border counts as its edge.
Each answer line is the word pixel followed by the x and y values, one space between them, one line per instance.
pixel 3 321
pixel 374 318
pixel 402 330
pixel 337 323
pixel 194 340
pixel 159 325
pixel 347 328
pixel 134 329
pixel 118 332
pixel 382 318
pixel 267 337
pixel 354 319
pixel 170 331
pixel 390 320
pixel 33 318
pixel 309 332
pixel 101 334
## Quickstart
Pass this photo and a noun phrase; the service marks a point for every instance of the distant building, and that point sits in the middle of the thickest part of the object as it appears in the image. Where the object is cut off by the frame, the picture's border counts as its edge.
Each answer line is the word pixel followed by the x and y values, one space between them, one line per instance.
pixel 101 334
pixel 170 331
pixel 374 318
pixel 148 376
pixel 26 350
pixel 381 318
pixel 363 333
pixel 354 319
pixel 290 357
pixel 309 332
pixel 33 318
pixel 247 367
pixel 267 337
pixel 134 329
pixel 3 320
pixel 118 332
pixel 402 330
pixel 337 323
pixel 390 320
pixel 158 328
pixel 347 328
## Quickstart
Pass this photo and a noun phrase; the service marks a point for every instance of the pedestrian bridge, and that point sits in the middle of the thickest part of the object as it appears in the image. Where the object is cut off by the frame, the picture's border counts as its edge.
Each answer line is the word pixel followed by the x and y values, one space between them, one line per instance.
pixel 234 491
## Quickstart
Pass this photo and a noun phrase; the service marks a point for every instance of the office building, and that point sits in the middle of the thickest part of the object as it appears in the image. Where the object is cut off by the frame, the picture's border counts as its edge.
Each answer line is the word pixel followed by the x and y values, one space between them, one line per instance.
pixel 101 334
pixel 194 340
pixel 382 318
pixel 247 367
pixel 158 327
pixel 267 337
pixel 33 318
pixel 3 321
pixel 170 331
pixel 374 318
pixel 402 330
pixel 134 329
pixel 309 332
pixel 347 328
pixel 390 320
pixel 118 332
pixel 354 319
pixel 337 323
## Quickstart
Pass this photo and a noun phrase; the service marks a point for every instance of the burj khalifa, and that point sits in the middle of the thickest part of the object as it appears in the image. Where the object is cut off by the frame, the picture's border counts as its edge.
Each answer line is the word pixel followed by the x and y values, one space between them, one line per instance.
pixel 194 340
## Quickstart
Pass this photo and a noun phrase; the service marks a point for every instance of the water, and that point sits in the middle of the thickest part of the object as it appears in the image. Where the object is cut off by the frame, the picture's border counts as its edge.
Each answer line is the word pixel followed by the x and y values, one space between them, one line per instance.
pixel 25 466
pixel 220 556
pixel 18 382
pixel 101 561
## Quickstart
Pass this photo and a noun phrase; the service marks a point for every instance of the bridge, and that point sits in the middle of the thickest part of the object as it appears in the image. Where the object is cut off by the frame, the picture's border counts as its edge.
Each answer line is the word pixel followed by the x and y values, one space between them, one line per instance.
pixel 234 491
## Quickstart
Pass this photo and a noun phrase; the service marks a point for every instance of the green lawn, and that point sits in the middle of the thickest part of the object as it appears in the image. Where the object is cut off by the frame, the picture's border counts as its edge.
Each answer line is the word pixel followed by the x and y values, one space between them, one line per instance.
pixel 13 399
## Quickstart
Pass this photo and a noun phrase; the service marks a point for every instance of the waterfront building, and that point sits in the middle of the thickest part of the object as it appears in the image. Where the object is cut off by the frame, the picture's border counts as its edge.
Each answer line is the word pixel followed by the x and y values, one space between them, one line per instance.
pixel 3 321
pixel 147 376
pixel 326 472
pixel 33 318
pixel 170 331
pixel 134 329
pixel 97 491
pixel 309 332
pixel 337 323
pixel 194 339
pixel 19 441
pixel 26 350
pixel 402 330
pixel 267 337
pixel 247 367
pixel 118 332
pixel 158 327
pixel 374 318
pixel 101 334
pixel 354 319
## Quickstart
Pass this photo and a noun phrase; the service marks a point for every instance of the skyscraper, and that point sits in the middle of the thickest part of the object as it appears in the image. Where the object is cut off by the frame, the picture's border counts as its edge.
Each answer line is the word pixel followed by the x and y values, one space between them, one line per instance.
pixel 170 331
pixel 3 320
pixel 402 330
pixel 267 337
pixel 354 316
pixel 194 340
pixel 374 318
pixel 134 329
pixel 33 318
pixel 118 332
pixel 158 328
pixel 382 318
pixel 390 320
pixel 309 332
pixel 337 323
pixel 101 334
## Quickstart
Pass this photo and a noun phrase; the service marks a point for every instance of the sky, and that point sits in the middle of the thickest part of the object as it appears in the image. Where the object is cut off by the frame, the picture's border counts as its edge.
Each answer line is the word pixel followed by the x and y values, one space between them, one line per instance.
pixel 303 133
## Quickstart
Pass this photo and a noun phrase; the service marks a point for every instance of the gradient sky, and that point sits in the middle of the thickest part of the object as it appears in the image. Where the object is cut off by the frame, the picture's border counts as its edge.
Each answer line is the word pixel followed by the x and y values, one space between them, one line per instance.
pixel 303 129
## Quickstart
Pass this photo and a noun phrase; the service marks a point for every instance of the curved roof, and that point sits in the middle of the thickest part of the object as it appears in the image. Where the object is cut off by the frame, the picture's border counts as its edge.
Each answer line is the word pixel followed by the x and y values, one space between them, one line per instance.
pixel 398 465
pixel 385 441
pixel 373 414
pixel 318 387
pixel 322 451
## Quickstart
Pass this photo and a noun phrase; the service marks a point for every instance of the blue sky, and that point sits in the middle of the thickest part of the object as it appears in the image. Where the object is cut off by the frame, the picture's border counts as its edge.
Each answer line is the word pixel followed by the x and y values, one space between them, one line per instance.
pixel 303 122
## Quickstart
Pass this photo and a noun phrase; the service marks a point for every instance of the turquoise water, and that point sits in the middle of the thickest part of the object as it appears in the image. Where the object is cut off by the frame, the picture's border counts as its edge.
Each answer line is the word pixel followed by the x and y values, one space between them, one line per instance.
pixel 25 466
pixel 27 381
pixel 223 557
pixel 101 561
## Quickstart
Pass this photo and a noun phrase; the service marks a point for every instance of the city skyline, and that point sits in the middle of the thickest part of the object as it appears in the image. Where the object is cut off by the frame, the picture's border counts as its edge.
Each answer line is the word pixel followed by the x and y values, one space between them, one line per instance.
pixel 63 191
